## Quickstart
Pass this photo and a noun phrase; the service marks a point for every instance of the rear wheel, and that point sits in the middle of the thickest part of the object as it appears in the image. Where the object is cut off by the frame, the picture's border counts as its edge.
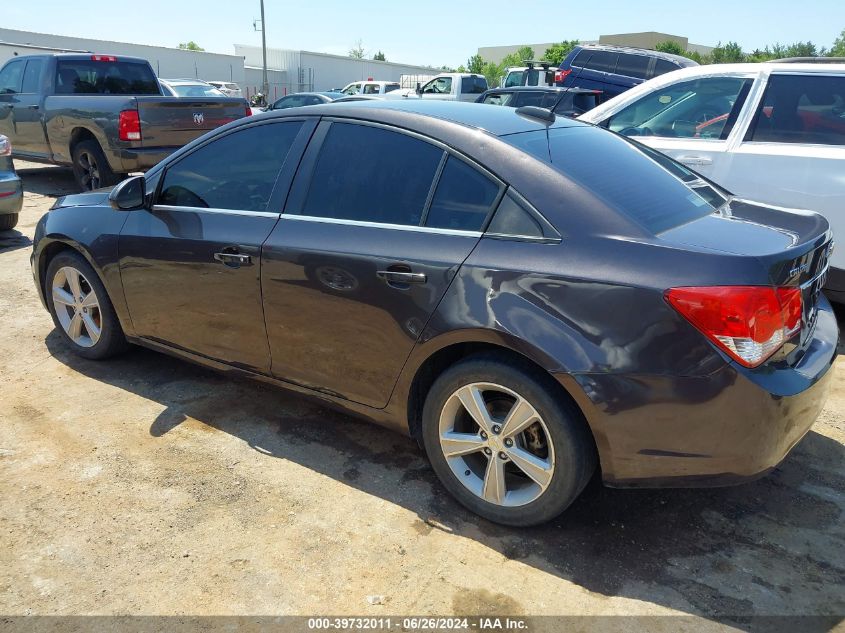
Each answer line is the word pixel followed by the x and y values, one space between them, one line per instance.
pixel 8 221
pixel 90 167
pixel 81 309
pixel 504 444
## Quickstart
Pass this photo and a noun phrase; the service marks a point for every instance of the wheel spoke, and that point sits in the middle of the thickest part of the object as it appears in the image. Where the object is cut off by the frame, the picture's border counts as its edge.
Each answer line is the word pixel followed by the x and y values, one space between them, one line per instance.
pixel 456 444
pixel 92 328
pixel 62 296
pixel 74 328
pixel 539 470
pixel 90 301
pixel 494 480
pixel 72 276
pixel 521 415
pixel 470 396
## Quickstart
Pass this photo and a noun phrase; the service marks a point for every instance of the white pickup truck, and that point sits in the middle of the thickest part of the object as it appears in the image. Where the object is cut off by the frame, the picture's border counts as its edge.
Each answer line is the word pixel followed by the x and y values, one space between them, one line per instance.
pixel 447 87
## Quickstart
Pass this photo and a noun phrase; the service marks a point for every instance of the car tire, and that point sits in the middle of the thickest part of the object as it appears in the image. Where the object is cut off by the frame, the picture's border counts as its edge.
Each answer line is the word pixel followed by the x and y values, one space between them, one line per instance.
pixel 90 167
pixel 8 221
pixel 81 308
pixel 561 451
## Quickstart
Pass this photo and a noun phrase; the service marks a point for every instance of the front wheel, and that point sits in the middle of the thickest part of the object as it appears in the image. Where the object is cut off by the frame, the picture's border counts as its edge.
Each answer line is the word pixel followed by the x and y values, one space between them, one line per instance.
pixel 81 309
pixel 504 443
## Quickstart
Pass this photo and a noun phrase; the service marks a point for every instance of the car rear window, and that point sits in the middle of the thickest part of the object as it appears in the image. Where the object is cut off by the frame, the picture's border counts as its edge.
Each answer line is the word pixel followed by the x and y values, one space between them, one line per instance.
pixel 619 173
pixel 91 77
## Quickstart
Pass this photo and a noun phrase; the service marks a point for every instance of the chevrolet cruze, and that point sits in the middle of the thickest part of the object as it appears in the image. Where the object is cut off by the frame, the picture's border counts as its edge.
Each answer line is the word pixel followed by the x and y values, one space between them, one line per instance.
pixel 530 297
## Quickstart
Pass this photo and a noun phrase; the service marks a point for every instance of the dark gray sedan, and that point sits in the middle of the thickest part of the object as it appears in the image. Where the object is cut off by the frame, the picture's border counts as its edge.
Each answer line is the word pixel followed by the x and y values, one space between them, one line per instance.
pixel 530 297
pixel 11 191
pixel 304 99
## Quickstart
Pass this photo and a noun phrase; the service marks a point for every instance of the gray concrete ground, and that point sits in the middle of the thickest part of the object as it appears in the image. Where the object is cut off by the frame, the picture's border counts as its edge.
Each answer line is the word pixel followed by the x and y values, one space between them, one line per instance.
pixel 147 485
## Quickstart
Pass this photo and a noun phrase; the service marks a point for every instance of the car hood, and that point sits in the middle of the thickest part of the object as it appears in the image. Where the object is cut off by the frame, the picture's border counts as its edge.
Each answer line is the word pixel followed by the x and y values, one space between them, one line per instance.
pixel 87 199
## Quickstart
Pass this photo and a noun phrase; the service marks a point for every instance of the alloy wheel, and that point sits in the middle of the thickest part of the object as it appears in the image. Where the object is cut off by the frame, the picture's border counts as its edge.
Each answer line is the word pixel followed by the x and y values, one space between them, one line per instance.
pixel 77 306
pixel 90 171
pixel 496 444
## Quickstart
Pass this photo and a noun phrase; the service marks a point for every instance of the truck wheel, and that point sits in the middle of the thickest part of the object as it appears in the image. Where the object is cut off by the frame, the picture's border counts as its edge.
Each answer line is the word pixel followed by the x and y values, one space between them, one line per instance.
pixel 90 167
pixel 8 221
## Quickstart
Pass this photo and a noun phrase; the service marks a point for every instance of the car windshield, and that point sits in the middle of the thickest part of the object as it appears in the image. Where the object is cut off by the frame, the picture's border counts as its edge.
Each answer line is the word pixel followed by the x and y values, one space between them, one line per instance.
pixel 649 188
pixel 195 90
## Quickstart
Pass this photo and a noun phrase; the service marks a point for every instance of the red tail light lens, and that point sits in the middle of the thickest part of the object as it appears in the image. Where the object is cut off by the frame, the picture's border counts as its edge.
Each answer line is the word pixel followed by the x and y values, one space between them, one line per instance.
pixel 103 58
pixel 560 75
pixel 248 111
pixel 129 126
pixel 750 323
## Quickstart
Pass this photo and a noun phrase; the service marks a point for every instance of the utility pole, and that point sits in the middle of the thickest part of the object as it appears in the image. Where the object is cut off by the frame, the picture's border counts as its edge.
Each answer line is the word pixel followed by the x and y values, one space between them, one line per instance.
pixel 265 87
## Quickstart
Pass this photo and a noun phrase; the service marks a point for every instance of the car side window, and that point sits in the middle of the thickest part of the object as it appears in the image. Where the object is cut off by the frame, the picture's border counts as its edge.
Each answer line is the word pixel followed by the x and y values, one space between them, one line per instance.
pixel 31 76
pixel 801 109
pixel 529 98
pixel 513 219
pixel 441 85
pixel 501 98
pixel 236 171
pixel 370 174
pixel 472 86
pixel 370 89
pixel 463 198
pixel 632 65
pixel 354 89
pixel 700 108
pixel 10 77
pixel 603 61
pixel 663 66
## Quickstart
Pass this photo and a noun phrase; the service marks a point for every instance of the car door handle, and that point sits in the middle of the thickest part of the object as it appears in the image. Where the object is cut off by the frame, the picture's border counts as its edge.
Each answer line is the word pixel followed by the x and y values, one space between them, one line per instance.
pixel 695 160
pixel 233 259
pixel 402 277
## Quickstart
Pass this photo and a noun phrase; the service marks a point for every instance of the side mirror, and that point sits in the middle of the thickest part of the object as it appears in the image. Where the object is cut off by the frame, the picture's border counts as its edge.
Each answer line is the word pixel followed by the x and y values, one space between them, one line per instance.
pixel 129 194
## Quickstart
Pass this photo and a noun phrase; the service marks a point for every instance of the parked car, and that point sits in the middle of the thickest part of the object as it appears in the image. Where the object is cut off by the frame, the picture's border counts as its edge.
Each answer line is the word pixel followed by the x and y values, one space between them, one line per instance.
pixel 101 114
pixel 304 99
pixel 228 88
pixel 348 98
pixel 526 295
pixel 773 132
pixel 615 69
pixel 534 73
pixel 370 87
pixel 188 88
pixel 11 191
pixel 565 101
pixel 448 87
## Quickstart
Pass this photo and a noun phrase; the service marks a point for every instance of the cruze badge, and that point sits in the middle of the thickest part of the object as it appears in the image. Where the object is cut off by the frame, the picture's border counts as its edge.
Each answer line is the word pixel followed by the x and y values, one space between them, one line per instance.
pixel 199 118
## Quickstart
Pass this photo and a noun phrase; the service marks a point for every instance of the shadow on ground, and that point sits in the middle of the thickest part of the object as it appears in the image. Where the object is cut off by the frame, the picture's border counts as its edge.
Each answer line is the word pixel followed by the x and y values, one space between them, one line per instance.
pixel 728 554
pixel 47 180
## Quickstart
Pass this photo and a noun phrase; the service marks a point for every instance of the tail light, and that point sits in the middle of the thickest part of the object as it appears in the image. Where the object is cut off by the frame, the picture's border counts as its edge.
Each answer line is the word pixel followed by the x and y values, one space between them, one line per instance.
pixel 5 146
pixel 248 110
pixel 750 323
pixel 103 58
pixel 561 74
pixel 129 126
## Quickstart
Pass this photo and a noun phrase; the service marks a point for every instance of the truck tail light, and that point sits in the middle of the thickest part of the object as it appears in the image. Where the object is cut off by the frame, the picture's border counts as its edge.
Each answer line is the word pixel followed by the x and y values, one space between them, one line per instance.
pixel 750 323
pixel 103 58
pixel 561 74
pixel 129 126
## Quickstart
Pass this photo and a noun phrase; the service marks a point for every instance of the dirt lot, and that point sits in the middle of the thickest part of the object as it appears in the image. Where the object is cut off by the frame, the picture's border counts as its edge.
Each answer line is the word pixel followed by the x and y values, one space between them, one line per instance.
pixel 146 485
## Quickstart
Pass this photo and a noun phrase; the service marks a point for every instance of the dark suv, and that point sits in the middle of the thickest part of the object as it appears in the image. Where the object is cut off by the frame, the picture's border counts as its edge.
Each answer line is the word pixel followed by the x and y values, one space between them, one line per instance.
pixel 615 69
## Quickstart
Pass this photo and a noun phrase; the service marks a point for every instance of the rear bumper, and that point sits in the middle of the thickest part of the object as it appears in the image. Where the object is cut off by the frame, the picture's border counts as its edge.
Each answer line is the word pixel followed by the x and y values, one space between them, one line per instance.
pixel 11 194
pixel 125 160
pixel 725 428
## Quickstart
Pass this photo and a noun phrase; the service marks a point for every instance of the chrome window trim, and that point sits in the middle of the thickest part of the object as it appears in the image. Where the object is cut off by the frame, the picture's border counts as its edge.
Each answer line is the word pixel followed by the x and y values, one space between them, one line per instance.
pixel 259 214
pixel 380 225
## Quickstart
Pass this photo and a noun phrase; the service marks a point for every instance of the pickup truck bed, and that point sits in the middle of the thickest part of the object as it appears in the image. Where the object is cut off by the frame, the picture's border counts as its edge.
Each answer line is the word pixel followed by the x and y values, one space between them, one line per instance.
pixel 103 115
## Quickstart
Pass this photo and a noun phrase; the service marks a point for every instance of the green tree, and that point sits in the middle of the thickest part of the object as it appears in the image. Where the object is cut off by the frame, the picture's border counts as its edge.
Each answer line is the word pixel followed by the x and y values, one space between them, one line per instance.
pixel 475 64
pixel 379 57
pixel 461 69
pixel 557 53
pixel 357 51
pixel 671 47
pixel 728 54
pixel 838 48
pixel 191 46
pixel 519 57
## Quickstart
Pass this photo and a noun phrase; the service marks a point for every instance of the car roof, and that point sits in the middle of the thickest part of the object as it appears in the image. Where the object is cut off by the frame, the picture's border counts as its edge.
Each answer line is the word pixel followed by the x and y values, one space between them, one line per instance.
pixel 639 51
pixel 543 89
pixel 186 82
pixel 496 121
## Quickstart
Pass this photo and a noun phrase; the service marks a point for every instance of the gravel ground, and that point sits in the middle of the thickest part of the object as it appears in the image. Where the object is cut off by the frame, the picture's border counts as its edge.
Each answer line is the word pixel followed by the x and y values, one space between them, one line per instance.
pixel 146 485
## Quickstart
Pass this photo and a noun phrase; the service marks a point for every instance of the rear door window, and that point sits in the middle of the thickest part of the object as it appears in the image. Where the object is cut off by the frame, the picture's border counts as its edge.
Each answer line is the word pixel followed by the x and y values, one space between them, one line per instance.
pixel 10 77
pixel 529 98
pixel 632 65
pixel 801 109
pixel 603 61
pixel 698 108
pixel 237 171
pixel 92 77
pixel 370 89
pixel 663 66
pixel 473 85
pixel 463 198
pixel 370 174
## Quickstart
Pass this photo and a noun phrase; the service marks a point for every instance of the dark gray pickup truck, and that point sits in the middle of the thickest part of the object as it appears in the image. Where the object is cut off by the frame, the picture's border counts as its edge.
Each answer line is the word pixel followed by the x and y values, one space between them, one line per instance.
pixel 103 115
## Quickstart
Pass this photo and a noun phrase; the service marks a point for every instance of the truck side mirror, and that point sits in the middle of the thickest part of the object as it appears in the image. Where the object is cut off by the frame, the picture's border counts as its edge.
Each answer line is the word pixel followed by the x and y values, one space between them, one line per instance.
pixel 129 194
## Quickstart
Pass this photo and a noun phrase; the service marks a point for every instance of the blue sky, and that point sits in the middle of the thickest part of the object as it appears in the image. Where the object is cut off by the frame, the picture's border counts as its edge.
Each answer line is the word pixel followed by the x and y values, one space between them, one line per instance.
pixel 434 32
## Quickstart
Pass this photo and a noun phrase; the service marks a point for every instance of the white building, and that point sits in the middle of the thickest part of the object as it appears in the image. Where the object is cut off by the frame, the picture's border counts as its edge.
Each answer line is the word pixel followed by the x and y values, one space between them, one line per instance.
pixel 298 71
pixel 166 62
